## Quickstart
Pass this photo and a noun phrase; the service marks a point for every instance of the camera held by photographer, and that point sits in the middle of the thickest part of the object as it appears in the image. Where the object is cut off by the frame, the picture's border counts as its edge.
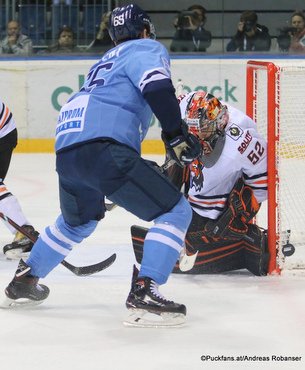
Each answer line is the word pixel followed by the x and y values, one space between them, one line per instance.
pixel 190 35
pixel 250 35
pixel 292 38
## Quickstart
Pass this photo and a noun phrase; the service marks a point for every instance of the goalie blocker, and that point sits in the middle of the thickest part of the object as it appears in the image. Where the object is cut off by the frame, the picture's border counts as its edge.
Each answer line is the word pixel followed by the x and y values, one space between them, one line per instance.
pixel 229 243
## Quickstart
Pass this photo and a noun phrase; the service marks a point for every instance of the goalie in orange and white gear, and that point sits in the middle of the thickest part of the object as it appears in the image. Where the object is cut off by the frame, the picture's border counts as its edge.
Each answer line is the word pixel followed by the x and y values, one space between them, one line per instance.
pixel 225 187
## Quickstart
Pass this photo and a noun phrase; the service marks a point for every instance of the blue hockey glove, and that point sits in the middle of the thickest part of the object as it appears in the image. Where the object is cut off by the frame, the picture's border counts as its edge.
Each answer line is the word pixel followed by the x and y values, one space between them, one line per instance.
pixel 182 146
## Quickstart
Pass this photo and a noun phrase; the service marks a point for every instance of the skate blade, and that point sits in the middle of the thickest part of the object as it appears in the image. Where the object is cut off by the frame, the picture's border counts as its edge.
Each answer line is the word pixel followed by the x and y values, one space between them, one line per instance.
pixel 16 254
pixel 9 303
pixel 145 319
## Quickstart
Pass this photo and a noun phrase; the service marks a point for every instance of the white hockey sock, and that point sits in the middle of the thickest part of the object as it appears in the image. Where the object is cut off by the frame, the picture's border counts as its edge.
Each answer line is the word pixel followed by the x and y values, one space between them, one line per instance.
pixel 10 207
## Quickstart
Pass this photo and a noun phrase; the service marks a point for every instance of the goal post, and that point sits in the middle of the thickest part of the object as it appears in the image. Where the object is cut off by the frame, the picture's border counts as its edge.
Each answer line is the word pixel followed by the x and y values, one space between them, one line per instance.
pixel 262 75
pixel 275 99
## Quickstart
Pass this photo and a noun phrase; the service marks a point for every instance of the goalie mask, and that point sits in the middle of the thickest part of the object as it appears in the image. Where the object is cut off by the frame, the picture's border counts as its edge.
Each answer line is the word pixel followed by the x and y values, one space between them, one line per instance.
pixel 207 118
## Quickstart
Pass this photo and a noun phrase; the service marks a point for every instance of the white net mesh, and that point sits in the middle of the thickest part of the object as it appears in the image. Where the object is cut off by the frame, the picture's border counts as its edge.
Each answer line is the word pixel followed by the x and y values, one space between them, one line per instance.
pixel 290 156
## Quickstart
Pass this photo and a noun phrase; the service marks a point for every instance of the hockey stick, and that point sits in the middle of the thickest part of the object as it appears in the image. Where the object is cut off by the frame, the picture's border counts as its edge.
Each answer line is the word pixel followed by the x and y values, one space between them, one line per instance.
pixel 187 261
pixel 110 206
pixel 79 271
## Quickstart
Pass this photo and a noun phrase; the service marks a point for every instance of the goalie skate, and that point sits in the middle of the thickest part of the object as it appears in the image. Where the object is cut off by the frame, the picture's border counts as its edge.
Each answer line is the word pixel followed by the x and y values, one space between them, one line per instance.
pixel 148 308
pixel 24 290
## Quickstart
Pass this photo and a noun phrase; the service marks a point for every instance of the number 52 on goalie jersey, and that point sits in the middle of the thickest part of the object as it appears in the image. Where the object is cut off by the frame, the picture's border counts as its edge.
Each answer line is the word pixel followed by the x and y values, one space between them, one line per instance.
pixel 244 154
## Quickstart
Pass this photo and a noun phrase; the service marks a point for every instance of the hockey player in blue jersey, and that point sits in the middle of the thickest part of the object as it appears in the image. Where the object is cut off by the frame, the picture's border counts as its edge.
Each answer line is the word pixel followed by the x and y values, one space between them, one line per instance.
pixel 98 138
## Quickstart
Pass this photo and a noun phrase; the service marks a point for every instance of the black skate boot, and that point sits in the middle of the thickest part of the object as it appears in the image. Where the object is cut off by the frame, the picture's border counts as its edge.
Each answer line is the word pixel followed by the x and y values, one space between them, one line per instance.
pixel 22 245
pixel 24 289
pixel 144 298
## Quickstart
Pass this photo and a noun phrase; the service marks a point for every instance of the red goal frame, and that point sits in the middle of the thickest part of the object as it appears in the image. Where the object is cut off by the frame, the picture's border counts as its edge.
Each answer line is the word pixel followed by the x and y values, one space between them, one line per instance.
pixel 273 122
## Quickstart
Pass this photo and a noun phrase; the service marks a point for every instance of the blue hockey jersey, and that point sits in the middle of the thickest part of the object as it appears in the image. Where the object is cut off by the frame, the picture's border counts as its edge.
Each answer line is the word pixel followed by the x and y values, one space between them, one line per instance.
pixel 111 104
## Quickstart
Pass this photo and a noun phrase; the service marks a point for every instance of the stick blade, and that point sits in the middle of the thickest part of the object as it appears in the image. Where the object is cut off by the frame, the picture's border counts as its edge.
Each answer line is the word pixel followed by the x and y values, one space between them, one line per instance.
pixel 91 269
pixel 186 262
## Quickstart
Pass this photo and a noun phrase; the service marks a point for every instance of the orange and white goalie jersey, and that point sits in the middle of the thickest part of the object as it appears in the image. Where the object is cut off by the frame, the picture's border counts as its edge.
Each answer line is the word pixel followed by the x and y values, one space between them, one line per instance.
pixel 244 154
pixel 7 122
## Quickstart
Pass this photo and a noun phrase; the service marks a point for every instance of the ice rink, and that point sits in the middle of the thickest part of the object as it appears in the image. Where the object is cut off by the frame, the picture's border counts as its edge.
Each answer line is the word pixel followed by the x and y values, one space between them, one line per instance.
pixel 79 327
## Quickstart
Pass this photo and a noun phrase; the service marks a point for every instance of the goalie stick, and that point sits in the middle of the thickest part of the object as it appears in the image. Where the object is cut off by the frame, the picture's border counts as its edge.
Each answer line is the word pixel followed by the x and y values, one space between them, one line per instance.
pixel 78 271
pixel 110 206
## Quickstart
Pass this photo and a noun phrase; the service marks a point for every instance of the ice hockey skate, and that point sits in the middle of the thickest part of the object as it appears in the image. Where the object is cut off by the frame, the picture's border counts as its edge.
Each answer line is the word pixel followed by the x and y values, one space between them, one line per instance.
pixel 24 290
pixel 21 246
pixel 148 308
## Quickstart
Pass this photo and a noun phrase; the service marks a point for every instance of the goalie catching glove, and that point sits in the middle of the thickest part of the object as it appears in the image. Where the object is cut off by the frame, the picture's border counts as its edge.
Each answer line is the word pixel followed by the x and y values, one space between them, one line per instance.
pixel 242 202
pixel 242 207
pixel 182 146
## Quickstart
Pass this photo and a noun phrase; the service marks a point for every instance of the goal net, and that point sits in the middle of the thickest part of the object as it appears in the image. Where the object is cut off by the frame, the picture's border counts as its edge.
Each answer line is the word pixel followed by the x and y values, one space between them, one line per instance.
pixel 276 102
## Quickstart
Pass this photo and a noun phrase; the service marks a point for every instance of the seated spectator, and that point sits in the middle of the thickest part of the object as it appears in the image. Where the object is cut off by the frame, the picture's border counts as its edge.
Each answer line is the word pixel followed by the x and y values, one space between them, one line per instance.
pixel 250 35
pixel 65 44
pixel 190 35
pixel 15 42
pixel 103 41
pixel 292 38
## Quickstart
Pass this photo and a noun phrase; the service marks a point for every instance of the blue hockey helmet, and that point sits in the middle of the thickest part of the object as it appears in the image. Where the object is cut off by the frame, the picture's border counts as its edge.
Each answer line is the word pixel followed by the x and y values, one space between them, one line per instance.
pixel 127 22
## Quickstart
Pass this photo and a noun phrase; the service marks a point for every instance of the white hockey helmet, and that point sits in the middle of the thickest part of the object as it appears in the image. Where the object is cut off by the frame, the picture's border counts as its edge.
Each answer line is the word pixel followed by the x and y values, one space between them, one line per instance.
pixel 206 118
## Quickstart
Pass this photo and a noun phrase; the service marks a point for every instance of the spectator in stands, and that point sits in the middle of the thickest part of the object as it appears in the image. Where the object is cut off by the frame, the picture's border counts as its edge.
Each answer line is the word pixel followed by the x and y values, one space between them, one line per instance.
pixel 103 41
pixel 15 42
pixel 292 38
pixel 190 35
pixel 250 35
pixel 65 44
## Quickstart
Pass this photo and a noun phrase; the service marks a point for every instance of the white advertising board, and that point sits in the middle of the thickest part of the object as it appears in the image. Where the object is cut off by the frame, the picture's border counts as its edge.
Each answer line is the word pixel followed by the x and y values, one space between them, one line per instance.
pixel 36 89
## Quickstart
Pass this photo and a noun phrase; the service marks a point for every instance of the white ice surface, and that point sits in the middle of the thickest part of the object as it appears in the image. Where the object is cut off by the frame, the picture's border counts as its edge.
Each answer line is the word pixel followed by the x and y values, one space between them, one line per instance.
pixel 80 324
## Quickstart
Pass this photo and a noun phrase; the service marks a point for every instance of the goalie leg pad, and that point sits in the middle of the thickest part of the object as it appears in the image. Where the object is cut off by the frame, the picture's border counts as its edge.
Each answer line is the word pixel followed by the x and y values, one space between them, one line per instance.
pixel 256 251
pixel 214 256
pixel 220 255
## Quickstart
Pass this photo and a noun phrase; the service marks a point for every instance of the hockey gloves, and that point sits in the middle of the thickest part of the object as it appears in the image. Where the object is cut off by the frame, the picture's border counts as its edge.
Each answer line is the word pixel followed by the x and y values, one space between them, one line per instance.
pixel 182 146
pixel 242 202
